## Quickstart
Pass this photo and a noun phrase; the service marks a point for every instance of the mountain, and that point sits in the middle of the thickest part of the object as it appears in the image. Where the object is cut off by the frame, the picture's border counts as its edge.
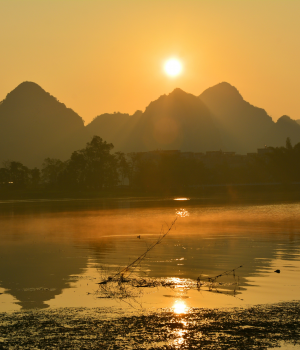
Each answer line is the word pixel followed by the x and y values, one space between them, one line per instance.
pixel 116 128
pixel 243 127
pixel 175 121
pixel 287 127
pixel 34 125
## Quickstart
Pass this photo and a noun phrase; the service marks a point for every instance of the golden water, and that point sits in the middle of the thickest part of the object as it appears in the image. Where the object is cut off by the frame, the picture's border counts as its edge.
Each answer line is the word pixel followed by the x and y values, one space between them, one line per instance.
pixel 52 253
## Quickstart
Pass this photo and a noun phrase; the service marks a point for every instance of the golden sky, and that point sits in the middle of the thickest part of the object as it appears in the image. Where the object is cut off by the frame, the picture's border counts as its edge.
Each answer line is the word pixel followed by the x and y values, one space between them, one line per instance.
pixel 101 56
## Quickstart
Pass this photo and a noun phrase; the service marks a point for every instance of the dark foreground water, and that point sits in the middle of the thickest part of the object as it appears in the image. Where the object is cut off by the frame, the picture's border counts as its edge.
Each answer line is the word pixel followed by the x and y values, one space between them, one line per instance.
pixel 53 253
pixel 259 327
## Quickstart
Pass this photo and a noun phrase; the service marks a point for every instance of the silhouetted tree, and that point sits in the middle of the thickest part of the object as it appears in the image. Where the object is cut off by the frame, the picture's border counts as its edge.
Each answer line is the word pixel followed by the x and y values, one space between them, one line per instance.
pixel 94 166
pixel 123 166
pixel 52 170
pixel 34 177
pixel 4 176
pixel 133 165
pixel 285 162
pixel 288 144
pixel 16 173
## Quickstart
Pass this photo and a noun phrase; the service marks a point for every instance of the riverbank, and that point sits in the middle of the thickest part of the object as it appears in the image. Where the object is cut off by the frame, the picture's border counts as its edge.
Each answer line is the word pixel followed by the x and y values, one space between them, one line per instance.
pixel 218 192
pixel 259 327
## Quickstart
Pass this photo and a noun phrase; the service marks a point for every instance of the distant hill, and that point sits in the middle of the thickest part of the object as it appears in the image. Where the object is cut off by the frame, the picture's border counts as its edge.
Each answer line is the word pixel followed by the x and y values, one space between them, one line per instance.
pixel 287 127
pixel 243 127
pixel 218 119
pixel 175 121
pixel 116 128
pixel 34 125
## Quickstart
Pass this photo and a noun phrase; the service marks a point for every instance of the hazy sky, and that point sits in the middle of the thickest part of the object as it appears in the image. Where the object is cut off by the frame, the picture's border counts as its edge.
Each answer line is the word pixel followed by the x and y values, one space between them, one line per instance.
pixel 101 56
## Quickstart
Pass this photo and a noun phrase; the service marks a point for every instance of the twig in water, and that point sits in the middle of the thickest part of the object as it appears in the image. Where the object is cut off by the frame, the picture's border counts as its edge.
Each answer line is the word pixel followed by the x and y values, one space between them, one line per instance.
pixel 212 280
pixel 137 261
pixel 119 278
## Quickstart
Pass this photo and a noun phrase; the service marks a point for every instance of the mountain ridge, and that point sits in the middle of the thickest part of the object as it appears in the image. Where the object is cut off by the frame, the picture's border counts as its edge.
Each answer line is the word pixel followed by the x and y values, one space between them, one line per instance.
pixel 244 126
pixel 35 125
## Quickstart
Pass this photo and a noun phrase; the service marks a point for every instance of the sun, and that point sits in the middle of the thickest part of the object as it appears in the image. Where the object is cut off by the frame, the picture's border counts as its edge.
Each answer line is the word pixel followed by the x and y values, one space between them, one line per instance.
pixel 173 67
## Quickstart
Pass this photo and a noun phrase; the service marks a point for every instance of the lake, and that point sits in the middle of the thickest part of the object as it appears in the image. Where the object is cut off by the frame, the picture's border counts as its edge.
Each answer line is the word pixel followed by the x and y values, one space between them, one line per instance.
pixel 53 253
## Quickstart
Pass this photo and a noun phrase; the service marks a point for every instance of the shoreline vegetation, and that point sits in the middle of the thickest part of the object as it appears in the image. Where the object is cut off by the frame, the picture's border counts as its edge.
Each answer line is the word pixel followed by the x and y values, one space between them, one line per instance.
pixel 96 172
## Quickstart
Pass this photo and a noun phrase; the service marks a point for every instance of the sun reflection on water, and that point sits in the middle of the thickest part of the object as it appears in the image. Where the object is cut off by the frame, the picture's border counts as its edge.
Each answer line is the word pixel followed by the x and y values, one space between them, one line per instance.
pixel 181 199
pixel 179 338
pixel 180 307
pixel 182 213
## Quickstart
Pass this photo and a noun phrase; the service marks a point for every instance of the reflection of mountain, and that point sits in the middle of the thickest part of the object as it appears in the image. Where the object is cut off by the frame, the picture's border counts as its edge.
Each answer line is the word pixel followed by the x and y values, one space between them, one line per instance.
pixel 210 255
pixel 43 248
pixel 42 265
pixel 43 244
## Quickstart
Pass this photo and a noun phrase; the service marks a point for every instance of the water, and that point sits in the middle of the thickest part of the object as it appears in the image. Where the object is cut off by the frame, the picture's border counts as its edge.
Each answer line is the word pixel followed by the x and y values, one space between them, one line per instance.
pixel 53 253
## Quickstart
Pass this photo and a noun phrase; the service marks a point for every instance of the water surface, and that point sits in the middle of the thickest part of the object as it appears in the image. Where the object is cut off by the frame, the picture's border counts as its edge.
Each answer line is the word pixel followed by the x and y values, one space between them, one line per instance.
pixel 53 253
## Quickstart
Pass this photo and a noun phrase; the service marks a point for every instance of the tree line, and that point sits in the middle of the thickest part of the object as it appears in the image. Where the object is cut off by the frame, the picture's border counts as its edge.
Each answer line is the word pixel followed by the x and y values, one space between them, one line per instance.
pixel 95 167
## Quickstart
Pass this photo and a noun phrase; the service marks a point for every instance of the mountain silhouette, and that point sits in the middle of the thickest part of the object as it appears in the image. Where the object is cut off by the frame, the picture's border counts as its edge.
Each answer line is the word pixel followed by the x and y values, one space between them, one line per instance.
pixel 243 127
pixel 287 127
pixel 34 125
pixel 116 128
pixel 175 121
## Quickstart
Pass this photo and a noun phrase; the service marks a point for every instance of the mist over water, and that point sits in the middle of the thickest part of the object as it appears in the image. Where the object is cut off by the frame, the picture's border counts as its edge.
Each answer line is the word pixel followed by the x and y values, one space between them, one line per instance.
pixel 54 252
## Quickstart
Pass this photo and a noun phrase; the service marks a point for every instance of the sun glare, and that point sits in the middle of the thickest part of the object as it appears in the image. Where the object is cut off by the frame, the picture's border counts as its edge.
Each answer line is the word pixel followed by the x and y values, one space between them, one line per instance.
pixel 179 307
pixel 173 67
